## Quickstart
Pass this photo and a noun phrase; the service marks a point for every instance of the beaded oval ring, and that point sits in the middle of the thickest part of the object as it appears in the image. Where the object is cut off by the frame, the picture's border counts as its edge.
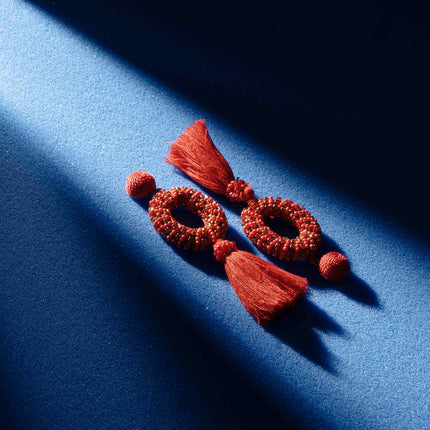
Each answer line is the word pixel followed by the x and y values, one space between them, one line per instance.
pixel 263 288
pixel 180 235
pixel 305 245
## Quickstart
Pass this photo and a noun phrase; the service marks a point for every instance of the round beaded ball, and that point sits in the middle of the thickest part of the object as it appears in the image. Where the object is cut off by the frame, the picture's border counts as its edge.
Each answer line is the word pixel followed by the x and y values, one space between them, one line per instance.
pixel 214 220
pixel 334 266
pixel 140 184
pixel 304 246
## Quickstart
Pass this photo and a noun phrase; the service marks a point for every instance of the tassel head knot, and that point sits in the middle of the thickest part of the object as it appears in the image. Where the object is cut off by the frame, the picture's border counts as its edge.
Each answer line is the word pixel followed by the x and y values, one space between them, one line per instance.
pixel 239 191
pixel 334 266
pixel 222 249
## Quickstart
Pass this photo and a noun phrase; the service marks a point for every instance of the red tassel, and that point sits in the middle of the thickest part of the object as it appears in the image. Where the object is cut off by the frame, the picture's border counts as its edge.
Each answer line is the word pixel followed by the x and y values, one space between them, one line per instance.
pixel 264 289
pixel 196 155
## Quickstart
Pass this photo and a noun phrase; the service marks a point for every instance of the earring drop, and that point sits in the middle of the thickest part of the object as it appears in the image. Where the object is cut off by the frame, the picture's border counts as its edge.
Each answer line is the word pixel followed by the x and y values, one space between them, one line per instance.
pixel 196 155
pixel 264 289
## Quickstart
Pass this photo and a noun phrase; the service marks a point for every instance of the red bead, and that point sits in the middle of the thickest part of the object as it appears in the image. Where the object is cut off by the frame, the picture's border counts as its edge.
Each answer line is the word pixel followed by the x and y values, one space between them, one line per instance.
pixel 239 191
pixel 222 249
pixel 334 266
pixel 140 184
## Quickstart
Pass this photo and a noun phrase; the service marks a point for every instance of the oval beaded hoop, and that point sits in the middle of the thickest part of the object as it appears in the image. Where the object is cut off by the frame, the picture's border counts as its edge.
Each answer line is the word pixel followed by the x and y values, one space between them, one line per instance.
pixel 211 213
pixel 304 246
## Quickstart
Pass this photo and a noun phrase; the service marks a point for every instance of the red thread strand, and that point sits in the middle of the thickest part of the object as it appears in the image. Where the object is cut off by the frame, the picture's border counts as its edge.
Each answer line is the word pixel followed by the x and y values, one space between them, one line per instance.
pixel 195 154
pixel 264 289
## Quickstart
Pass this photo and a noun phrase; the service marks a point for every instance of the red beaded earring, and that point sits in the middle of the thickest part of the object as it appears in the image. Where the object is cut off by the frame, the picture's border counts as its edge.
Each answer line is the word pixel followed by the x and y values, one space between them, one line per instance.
pixel 195 154
pixel 263 288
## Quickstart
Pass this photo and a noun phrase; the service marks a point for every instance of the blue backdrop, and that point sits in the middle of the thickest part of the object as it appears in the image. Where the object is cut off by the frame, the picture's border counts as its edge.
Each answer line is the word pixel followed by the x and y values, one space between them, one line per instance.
pixel 103 324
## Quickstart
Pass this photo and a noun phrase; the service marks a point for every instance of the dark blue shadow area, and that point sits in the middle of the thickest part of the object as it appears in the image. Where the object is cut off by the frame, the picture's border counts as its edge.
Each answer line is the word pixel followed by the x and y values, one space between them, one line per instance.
pixel 298 329
pixel 340 89
pixel 88 339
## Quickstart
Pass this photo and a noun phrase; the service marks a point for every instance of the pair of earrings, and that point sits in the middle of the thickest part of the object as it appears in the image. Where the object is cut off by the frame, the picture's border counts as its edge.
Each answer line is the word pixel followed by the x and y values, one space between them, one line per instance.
pixel 264 289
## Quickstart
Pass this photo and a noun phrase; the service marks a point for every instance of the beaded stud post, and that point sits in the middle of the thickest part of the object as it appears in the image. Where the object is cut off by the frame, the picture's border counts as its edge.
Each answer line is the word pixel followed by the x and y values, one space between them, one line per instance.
pixel 195 154
pixel 264 289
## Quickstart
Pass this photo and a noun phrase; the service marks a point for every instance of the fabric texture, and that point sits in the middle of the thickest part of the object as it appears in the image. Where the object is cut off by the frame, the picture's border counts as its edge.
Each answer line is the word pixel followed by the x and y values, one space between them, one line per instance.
pixel 104 325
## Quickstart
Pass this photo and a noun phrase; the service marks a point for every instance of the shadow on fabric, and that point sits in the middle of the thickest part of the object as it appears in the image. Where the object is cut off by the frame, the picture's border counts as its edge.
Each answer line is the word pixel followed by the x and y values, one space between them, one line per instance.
pixel 341 90
pixel 68 301
pixel 298 328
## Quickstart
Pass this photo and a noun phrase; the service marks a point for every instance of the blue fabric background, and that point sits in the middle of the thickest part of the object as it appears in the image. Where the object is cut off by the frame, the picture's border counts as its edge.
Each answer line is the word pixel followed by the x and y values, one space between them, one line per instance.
pixel 103 324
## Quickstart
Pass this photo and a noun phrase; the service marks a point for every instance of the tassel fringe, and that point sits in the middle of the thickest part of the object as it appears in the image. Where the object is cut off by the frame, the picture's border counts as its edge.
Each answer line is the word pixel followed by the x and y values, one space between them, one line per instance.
pixel 264 289
pixel 196 155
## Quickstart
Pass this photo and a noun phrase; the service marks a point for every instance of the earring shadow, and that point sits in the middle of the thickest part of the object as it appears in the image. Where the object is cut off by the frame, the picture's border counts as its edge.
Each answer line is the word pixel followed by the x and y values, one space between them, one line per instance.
pixel 299 329
pixel 352 287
